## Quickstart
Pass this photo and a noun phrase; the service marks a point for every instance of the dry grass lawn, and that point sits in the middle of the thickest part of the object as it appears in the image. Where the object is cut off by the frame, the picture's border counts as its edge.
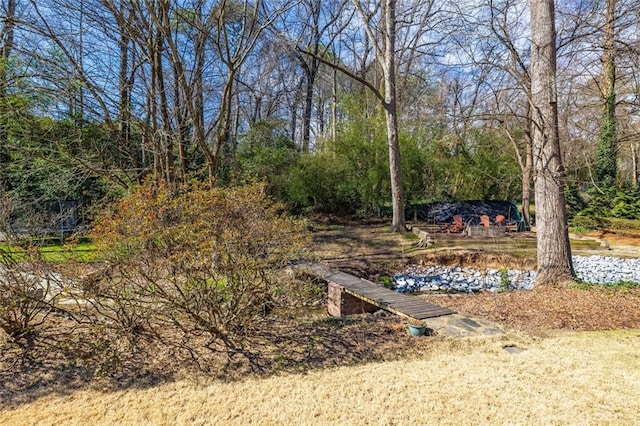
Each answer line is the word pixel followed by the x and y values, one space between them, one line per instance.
pixel 572 378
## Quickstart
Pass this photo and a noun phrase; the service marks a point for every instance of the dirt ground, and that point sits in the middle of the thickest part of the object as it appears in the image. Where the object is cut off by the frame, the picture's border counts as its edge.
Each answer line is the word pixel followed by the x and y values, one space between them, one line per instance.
pixel 307 340
pixel 372 252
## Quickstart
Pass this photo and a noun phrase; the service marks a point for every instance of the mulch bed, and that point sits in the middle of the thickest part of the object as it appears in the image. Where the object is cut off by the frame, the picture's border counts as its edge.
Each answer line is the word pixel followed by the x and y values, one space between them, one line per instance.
pixel 552 308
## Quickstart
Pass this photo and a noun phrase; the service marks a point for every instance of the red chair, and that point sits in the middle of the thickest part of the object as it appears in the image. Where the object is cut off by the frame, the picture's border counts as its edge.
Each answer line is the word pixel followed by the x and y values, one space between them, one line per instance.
pixel 457 225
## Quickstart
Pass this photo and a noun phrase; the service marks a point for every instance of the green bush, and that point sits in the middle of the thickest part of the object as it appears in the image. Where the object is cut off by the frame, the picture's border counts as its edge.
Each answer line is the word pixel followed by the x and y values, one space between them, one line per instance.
pixel 618 223
pixel 607 203
pixel 626 204
pixel 322 183
pixel 574 200
pixel 589 222
pixel 266 154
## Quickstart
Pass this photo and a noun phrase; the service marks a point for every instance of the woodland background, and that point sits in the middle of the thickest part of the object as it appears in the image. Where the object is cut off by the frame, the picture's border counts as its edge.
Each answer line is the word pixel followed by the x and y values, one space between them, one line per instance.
pixel 97 96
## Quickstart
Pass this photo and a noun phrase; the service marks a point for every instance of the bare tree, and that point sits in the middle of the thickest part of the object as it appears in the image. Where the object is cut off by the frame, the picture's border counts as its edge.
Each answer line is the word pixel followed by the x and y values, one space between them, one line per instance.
pixel 310 68
pixel 554 251
pixel 383 40
pixel 494 44
pixel 501 28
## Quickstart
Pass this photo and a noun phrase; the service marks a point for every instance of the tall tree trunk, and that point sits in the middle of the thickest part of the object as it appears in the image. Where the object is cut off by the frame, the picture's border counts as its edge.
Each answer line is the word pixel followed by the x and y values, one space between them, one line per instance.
pixel 124 88
pixel 181 116
pixel 554 251
pixel 79 112
pixel 634 165
pixel 311 71
pixel 526 171
pixel 166 133
pixel 334 106
pixel 198 89
pixel 6 38
pixel 526 187
pixel 152 108
pixel 525 161
pixel 383 40
pixel 607 164
pixel 322 122
pixel 224 150
pixel 391 110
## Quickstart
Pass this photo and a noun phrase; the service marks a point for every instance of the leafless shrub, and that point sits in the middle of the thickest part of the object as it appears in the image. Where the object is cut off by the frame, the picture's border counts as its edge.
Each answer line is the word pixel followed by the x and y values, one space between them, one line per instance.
pixel 206 262
pixel 29 288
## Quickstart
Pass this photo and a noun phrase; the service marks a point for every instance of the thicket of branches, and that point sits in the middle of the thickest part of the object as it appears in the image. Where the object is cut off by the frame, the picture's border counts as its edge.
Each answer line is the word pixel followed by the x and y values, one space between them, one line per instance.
pixel 97 95
pixel 191 268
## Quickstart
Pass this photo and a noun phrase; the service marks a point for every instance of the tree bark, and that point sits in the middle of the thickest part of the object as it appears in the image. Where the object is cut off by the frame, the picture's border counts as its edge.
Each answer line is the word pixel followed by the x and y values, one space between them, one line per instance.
pixel 125 84
pixel 634 165
pixel 334 106
pixel 554 251
pixel 526 172
pixel 607 165
pixel 6 38
pixel 311 72
pixel 391 112
pixel 385 56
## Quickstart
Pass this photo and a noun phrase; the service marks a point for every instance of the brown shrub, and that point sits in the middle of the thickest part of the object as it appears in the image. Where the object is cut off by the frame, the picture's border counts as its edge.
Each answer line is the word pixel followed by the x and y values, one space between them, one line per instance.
pixel 206 261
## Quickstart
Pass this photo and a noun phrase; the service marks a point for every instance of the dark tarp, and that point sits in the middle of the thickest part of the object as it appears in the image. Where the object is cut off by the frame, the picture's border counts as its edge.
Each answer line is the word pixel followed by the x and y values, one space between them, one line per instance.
pixel 49 217
pixel 443 212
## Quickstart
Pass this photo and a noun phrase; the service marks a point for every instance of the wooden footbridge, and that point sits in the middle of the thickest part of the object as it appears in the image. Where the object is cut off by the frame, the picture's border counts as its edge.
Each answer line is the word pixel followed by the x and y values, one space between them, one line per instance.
pixel 350 295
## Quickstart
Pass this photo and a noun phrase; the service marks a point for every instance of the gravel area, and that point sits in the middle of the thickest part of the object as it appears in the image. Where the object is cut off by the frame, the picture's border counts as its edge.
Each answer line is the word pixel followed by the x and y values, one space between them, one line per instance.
pixel 590 269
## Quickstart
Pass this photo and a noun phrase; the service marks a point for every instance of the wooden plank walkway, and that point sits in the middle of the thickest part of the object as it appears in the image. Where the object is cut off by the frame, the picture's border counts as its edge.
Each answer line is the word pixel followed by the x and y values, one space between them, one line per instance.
pixel 384 298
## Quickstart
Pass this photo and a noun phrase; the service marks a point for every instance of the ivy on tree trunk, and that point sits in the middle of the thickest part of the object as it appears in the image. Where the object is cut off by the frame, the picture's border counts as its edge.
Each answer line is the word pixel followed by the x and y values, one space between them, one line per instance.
pixel 606 166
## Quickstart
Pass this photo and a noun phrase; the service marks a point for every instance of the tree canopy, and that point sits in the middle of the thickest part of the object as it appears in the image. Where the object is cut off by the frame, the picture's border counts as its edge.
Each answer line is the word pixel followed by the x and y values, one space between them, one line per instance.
pixel 337 105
